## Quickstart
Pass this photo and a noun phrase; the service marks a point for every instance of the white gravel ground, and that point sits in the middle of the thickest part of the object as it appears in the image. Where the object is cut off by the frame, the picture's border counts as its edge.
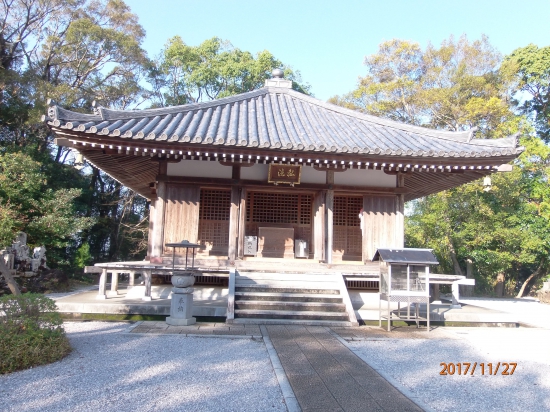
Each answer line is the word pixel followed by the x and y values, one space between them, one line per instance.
pixel 415 363
pixel 111 371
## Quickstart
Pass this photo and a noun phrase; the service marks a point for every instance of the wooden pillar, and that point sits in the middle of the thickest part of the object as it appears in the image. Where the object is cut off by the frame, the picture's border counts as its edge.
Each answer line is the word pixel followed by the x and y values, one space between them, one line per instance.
pixel 156 225
pixel 400 214
pixel 152 214
pixel 329 201
pixel 234 223
pixel 319 226
pixel 242 223
pixel 400 221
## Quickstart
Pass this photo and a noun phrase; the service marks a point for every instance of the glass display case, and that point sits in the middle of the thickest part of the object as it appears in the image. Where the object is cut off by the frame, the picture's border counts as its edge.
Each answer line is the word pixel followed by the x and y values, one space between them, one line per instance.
pixel 404 279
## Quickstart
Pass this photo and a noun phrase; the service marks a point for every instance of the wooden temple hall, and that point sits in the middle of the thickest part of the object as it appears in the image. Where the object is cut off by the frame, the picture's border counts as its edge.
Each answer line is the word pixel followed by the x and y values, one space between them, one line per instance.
pixel 275 176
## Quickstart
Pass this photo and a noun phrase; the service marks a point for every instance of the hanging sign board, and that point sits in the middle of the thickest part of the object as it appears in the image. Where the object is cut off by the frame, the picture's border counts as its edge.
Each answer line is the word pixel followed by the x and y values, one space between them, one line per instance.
pixel 284 174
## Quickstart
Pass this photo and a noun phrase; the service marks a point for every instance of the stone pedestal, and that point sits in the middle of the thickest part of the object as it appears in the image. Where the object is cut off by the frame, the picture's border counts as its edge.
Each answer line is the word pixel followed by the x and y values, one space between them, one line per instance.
pixel 181 309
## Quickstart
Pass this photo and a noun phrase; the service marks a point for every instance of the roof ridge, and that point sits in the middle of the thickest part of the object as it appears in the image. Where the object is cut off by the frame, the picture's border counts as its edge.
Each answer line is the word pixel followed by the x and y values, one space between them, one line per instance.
pixel 109 114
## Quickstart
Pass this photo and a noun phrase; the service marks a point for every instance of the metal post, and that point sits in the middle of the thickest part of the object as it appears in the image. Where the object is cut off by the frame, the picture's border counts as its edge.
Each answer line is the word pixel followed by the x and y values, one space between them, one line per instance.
pixel 380 311
pixel 389 316
pixel 428 314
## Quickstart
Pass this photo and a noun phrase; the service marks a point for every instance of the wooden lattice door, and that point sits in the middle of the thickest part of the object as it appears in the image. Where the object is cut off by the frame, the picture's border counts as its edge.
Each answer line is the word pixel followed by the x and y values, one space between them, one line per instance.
pixel 279 210
pixel 214 221
pixel 347 228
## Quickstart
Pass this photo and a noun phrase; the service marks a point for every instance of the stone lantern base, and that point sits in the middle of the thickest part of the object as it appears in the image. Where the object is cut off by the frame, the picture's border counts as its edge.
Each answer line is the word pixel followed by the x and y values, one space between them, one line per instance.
pixel 181 308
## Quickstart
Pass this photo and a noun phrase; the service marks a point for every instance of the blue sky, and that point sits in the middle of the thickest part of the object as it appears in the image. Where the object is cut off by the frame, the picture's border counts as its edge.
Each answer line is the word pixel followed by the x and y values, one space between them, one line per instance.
pixel 328 40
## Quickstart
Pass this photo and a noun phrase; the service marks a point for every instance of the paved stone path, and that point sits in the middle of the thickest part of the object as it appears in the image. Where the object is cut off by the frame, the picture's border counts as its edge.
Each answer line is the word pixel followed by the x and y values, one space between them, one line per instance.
pixel 326 376
pixel 322 372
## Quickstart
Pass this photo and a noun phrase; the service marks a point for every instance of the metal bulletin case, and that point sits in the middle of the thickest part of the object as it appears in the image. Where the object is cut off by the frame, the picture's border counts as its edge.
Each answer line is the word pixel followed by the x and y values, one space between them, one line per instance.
pixel 404 278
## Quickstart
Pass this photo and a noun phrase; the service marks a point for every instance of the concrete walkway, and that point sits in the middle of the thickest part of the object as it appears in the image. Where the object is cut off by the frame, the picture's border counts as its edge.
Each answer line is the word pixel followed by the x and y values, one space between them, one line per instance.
pixel 326 376
pixel 528 311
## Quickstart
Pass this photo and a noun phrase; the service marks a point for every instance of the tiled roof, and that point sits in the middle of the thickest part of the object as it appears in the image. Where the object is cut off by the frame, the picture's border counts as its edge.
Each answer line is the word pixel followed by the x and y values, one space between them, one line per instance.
pixel 282 119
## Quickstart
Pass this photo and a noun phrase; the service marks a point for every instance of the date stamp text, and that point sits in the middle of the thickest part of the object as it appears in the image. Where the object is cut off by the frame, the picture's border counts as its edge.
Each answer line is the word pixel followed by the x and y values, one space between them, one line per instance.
pixel 472 369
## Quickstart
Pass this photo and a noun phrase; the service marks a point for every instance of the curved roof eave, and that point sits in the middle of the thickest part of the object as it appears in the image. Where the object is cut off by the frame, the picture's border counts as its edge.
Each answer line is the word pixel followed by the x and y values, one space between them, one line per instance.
pixel 328 127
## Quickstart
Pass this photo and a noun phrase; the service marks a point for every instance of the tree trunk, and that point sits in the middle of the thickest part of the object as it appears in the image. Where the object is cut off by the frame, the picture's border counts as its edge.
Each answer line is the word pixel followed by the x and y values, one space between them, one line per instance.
pixel 456 266
pixel 467 290
pixel 534 275
pixel 499 287
pixel 9 278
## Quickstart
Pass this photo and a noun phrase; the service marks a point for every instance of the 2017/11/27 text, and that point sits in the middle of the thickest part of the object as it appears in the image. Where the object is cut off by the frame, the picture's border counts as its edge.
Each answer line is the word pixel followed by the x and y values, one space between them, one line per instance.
pixel 468 368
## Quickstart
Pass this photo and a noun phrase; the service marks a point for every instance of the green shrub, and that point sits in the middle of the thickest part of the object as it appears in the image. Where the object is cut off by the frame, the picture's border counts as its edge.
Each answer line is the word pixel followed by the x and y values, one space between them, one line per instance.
pixel 31 332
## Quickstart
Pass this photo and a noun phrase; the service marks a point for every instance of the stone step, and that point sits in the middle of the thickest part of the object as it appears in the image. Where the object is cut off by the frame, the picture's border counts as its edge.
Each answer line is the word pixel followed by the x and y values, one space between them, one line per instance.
pixel 263 321
pixel 249 279
pixel 288 297
pixel 308 277
pixel 290 306
pixel 283 314
pixel 294 289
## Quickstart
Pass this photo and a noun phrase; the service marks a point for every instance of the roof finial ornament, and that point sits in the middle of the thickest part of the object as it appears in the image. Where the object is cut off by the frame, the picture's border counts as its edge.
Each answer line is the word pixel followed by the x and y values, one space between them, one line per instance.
pixel 278 80
pixel 277 74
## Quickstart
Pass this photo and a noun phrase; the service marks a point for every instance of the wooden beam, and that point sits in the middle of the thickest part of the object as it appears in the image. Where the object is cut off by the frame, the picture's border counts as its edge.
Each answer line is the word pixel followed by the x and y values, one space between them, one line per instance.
pixel 239 164
pixel 256 184
pixel 236 172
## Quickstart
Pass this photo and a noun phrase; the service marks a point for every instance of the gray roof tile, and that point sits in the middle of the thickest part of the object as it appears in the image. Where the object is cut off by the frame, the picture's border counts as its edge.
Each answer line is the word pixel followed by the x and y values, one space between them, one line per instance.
pixel 280 118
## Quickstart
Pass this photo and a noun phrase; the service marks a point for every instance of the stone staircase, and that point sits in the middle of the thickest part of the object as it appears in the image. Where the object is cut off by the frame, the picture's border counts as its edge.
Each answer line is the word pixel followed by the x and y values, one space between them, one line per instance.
pixel 283 298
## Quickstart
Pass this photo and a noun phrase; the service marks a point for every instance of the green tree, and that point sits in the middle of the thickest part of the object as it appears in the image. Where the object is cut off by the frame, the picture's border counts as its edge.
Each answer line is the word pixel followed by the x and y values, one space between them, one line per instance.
pixel 457 86
pixel 28 204
pixel 75 51
pixel 214 69
pixel 454 87
pixel 504 231
pixel 529 68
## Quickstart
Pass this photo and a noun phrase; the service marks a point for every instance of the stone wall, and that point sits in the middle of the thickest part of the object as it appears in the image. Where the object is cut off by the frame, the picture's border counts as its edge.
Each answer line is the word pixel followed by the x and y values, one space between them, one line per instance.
pixel 544 296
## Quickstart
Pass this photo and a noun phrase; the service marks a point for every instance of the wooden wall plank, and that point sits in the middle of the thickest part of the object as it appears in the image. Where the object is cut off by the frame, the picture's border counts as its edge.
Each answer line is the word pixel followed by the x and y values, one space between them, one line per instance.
pixel 181 218
pixel 382 217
